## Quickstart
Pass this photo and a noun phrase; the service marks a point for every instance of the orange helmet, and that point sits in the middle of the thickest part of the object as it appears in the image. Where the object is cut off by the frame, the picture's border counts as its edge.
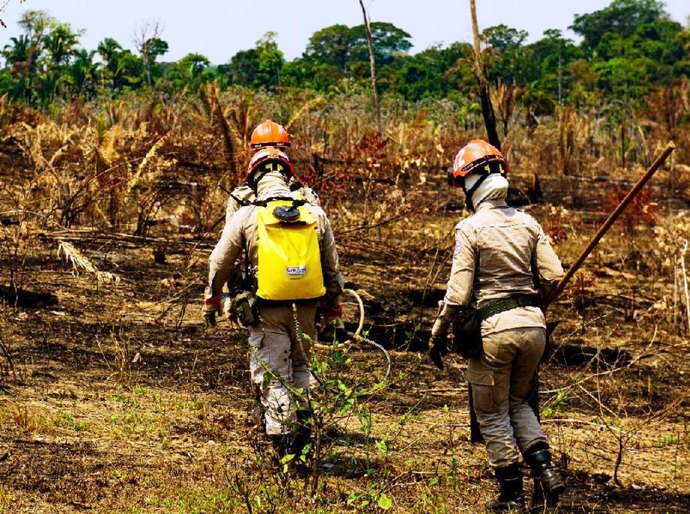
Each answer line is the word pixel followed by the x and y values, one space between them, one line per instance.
pixel 266 160
pixel 269 133
pixel 477 155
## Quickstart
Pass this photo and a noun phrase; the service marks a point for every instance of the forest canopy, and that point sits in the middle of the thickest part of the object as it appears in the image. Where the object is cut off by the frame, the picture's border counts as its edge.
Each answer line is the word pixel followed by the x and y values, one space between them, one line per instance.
pixel 626 49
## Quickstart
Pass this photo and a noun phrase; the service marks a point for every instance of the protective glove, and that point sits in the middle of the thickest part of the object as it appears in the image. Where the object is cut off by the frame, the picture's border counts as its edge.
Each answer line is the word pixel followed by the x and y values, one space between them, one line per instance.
pixel 333 314
pixel 331 322
pixel 211 307
pixel 233 323
pixel 438 348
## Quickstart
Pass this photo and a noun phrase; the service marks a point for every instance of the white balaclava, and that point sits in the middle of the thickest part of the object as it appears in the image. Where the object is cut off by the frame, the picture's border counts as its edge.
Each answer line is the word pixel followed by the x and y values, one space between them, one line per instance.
pixel 494 187
pixel 272 185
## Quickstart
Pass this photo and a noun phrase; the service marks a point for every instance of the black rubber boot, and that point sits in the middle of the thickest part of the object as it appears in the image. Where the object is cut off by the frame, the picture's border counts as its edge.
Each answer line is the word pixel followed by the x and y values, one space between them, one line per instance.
pixel 547 484
pixel 281 444
pixel 511 497
pixel 257 416
pixel 302 433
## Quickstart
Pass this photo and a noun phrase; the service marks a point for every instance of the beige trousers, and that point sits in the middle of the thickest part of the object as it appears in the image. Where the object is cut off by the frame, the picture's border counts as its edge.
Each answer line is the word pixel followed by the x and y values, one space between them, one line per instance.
pixel 279 362
pixel 502 380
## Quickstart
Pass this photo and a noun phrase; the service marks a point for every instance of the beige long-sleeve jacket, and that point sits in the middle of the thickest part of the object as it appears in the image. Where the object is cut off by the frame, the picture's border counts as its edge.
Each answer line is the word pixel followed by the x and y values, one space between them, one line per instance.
pixel 499 251
pixel 241 230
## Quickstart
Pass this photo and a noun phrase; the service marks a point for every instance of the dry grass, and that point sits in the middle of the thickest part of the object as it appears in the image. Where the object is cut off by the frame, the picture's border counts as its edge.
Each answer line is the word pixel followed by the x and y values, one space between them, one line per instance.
pixel 80 263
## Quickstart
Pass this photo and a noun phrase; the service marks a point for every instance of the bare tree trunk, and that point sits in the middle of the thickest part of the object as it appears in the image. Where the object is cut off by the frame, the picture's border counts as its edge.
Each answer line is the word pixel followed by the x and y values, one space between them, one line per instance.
pixel 148 30
pixel 372 65
pixel 484 97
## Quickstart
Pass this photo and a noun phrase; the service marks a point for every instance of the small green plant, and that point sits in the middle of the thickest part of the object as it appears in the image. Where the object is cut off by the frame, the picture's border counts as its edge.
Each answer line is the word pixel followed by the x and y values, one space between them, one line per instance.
pixel 340 400
pixel 667 440
pixel 65 419
pixel 556 406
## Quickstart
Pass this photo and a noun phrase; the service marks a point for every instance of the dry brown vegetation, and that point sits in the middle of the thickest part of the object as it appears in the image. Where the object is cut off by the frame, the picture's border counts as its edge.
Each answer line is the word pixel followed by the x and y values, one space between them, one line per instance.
pixel 115 399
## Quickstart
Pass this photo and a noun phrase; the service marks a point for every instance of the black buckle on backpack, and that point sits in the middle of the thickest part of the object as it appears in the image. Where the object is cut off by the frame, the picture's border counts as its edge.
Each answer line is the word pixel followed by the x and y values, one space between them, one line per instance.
pixel 286 213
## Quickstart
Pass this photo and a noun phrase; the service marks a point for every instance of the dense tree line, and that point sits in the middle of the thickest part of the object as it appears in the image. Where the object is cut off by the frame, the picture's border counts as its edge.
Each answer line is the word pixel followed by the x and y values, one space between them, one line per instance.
pixel 626 50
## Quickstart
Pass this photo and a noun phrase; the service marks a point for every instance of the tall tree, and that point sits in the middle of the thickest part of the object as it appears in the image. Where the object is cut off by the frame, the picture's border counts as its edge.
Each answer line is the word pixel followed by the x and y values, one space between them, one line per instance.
pixel 387 41
pixel 258 67
pixel 552 55
pixel 505 56
pixel 622 17
pixel 191 71
pixel 484 97
pixel 435 72
pixel 331 46
pixel 151 49
pixel 632 44
pixel 39 56
pixel 372 64
pixel 82 73
pixel 150 46
pixel 122 69
pixel 21 57
pixel 61 43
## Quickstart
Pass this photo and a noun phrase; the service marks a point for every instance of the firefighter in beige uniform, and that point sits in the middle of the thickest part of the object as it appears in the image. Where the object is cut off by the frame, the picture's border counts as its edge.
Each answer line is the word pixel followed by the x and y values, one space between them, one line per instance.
pixel 499 254
pixel 284 280
pixel 267 134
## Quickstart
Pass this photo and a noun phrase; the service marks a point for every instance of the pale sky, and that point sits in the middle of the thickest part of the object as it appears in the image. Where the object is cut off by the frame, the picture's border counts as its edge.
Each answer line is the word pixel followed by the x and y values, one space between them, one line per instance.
pixel 219 29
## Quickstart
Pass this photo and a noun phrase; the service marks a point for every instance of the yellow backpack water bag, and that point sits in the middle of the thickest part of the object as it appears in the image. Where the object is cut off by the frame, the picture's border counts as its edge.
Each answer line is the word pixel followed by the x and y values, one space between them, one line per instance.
pixel 289 266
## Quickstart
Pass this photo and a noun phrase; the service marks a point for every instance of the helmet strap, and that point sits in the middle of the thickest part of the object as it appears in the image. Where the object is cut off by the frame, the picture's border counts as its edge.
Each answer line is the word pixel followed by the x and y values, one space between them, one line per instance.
pixel 263 170
pixel 486 170
pixel 469 192
pixel 255 178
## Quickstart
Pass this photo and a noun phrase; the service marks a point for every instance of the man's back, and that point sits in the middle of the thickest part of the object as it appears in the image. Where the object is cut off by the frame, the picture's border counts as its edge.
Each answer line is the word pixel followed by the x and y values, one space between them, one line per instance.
pixel 242 232
pixel 505 241
pixel 501 252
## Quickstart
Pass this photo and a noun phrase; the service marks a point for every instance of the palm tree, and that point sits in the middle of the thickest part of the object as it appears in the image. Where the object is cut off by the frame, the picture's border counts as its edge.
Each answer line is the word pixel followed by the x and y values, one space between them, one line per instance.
pixel 109 50
pixel 60 43
pixel 21 55
pixel 82 72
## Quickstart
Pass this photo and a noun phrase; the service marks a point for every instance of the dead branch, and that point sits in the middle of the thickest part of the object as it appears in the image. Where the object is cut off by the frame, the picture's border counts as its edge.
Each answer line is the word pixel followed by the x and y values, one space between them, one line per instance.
pixel 96 236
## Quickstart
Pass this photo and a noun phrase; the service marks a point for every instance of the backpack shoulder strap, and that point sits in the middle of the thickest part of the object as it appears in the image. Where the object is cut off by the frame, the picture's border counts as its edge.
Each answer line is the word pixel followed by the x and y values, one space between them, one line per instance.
pixel 241 201
pixel 266 201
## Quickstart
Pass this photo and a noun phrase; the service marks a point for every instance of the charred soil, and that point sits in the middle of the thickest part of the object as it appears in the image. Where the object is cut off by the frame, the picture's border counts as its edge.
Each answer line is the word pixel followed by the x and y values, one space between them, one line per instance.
pixel 115 398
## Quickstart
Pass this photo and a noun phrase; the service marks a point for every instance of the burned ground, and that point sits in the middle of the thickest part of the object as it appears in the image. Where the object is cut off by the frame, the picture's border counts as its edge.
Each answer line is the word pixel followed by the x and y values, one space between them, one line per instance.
pixel 116 399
